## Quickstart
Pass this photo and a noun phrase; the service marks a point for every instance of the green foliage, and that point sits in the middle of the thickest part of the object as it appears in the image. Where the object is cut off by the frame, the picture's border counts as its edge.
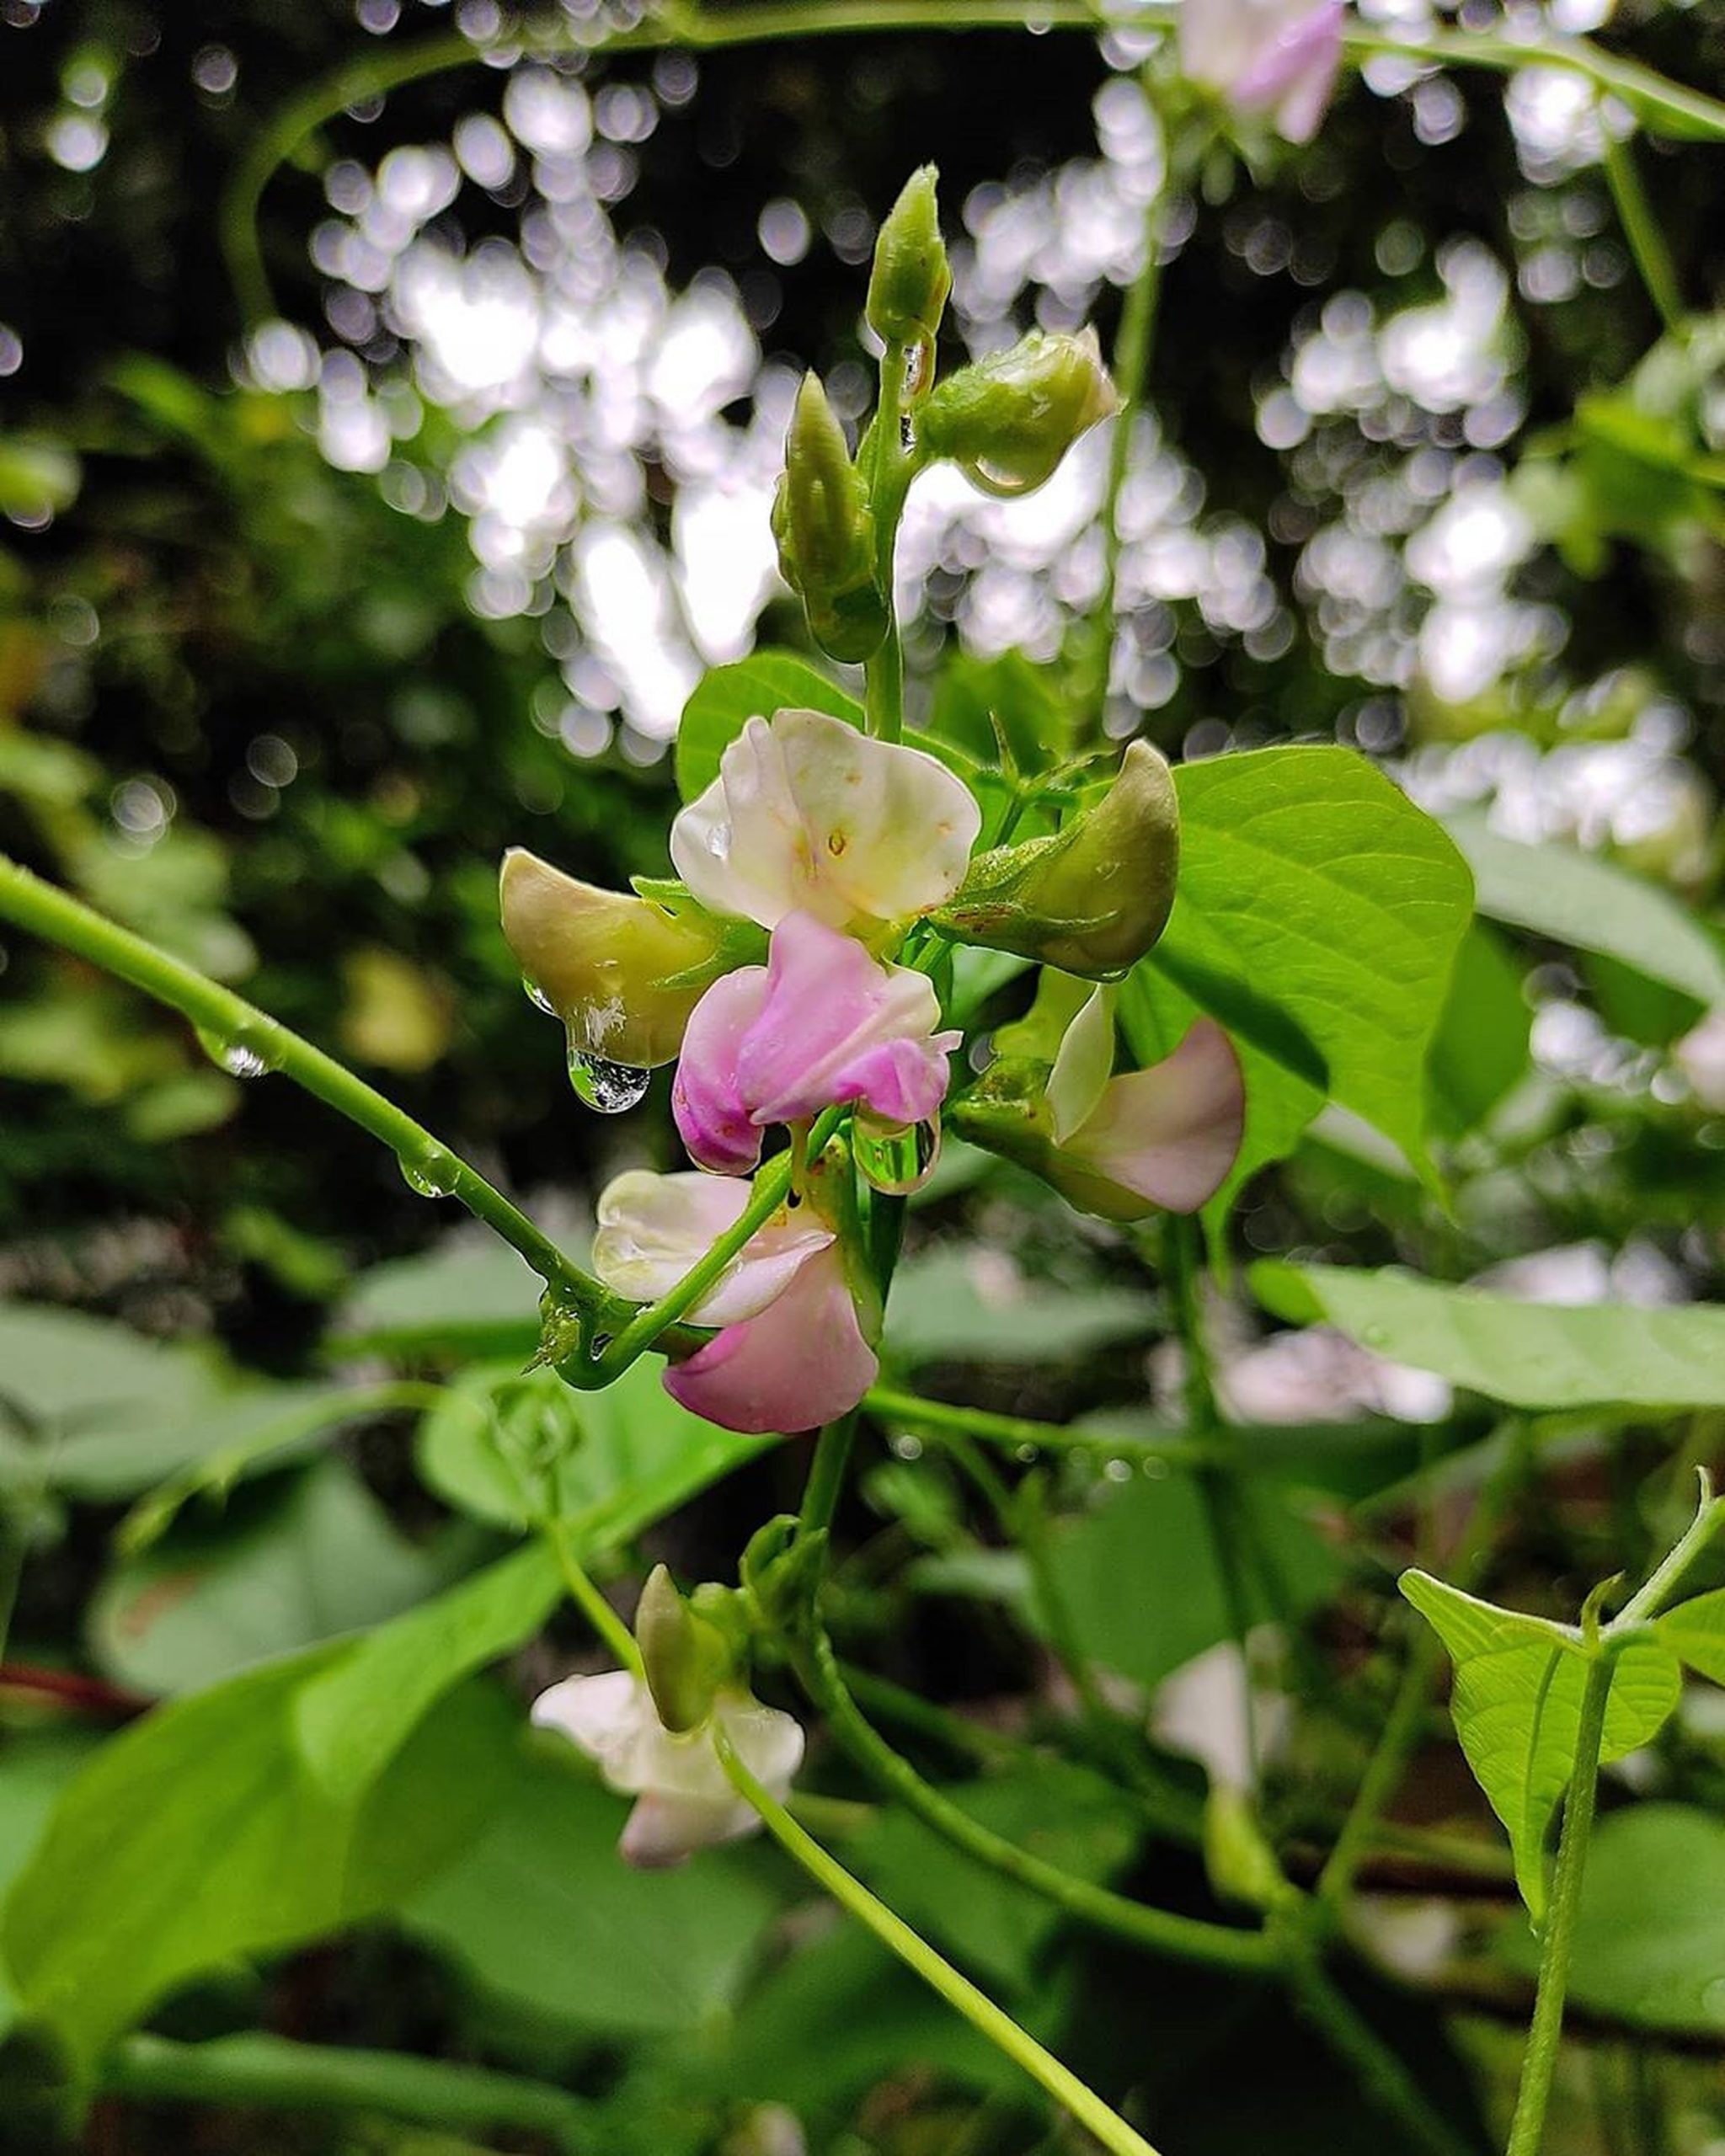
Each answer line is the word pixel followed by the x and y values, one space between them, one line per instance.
pixel 729 697
pixel 1538 1355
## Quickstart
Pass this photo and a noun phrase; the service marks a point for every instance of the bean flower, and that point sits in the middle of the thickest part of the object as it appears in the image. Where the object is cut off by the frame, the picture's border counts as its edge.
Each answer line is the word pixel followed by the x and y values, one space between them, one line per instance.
pixel 1274 58
pixel 789 1355
pixel 684 1801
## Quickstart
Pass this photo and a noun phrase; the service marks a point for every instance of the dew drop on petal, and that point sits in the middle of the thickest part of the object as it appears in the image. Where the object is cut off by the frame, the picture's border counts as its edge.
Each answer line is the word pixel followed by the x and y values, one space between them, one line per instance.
pixel 607 1087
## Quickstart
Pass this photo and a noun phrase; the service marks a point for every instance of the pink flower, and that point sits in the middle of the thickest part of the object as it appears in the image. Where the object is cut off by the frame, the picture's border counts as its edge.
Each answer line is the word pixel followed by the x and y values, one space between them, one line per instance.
pixel 821 1022
pixel 1168 1135
pixel 1277 57
pixel 684 1799
pixel 791 1354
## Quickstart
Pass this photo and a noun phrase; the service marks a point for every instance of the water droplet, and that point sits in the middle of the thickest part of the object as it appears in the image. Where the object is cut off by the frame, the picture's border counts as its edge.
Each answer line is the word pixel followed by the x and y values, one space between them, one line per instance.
pixel 919 368
pixel 537 996
pixel 608 1088
pixel 896 1162
pixel 244 1053
pixel 431 1173
pixel 1026 1455
pixel 1118 1471
pixel 904 1446
pixel 999 479
pixel 1373 1336
pixel 1155 1469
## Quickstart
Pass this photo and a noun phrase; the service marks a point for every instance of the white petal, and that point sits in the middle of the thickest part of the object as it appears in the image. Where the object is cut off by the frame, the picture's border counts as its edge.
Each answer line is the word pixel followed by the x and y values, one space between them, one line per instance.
pixel 1171 1134
pixel 603 1715
pixel 809 815
pixel 1083 1065
pixel 652 1228
pixel 661 1831
pixel 768 1742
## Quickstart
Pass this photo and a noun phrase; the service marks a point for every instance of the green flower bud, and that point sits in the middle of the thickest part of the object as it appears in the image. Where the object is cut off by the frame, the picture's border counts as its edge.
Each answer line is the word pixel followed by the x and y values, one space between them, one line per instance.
pixel 1241 1864
pixel 622 973
pixel 1094 897
pixel 1008 421
pixel 911 277
pixel 825 535
pixel 687 1661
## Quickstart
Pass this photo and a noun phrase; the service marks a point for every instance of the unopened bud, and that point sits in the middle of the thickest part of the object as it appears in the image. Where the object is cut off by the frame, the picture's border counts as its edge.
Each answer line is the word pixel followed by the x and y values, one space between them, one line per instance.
pixel 686 1661
pixel 1094 897
pixel 826 538
pixel 911 277
pixel 1008 421
pixel 622 973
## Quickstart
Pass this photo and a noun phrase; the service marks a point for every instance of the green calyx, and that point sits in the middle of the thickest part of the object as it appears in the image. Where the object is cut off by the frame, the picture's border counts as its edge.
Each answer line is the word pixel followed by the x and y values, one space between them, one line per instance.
pixel 687 1657
pixel 824 532
pixel 1009 419
pixel 911 278
pixel 1006 1112
pixel 1093 898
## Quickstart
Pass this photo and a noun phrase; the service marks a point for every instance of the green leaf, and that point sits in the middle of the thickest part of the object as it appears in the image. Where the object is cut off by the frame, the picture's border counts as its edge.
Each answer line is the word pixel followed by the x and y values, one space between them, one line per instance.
pixel 319 1560
pixel 725 700
pixel 477 1300
pixel 1650 1940
pixel 1064 1813
pixel 1318 918
pixel 542 1913
pixel 1694 1632
pixel 1528 1354
pixel 1517 1709
pixel 625 1456
pixel 1592 904
pixel 1141 1581
pixel 957 1304
pixel 1480 1050
pixel 35 1767
pixel 196 1837
pixel 975 697
pixel 65 1372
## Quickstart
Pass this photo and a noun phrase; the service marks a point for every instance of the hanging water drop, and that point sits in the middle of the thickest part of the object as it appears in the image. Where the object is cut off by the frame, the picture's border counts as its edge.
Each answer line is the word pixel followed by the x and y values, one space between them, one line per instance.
pixel 1000 480
pixel 431 1172
pixel 896 1162
pixel 241 1054
pixel 537 996
pixel 609 1088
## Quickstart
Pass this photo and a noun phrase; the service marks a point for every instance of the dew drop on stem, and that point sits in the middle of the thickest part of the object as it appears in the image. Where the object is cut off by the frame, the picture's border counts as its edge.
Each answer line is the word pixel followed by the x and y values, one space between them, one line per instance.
pixel 431 1172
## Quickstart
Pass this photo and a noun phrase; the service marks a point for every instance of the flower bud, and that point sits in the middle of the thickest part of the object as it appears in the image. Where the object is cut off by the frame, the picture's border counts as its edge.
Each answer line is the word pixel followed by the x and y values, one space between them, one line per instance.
pixel 686 1661
pixel 1093 898
pixel 825 538
pixel 1008 421
pixel 622 973
pixel 911 277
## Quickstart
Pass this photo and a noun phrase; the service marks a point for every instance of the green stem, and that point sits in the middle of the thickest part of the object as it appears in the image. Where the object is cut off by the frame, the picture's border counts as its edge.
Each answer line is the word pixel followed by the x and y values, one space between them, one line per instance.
pixel 1131 372
pixel 1379 2072
pixel 592 1603
pixel 987 2019
pixel 269 2073
pixel 1158 1931
pixel 1385 1770
pixel 30 903
pixel 826 1476
pixel 940 1417
pixel 1539 2064
pixel 1650 1598
pixel 1641 229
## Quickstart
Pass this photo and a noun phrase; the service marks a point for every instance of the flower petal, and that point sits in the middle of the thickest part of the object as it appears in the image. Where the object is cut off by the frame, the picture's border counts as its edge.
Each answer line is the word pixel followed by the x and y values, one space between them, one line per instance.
pixel 801 1362
pixel 661 1832
pixel 707 1097
pixel 1293 76
pixel 603 1715
pixel 652 1228
pixel 1172 1133
pixel 1083 1065
pixel 809 815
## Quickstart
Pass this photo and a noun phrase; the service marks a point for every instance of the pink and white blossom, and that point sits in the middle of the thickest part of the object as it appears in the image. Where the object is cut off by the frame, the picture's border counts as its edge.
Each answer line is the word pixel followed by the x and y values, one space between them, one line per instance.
pixel 684 1799
pixel 1275 57
pixel 820 1023
pixel 809 815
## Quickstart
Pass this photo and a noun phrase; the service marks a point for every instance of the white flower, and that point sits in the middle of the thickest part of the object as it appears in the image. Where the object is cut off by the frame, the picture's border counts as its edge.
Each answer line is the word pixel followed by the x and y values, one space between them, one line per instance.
pixel 684 1799
pixel 1278 57
pixel 807 815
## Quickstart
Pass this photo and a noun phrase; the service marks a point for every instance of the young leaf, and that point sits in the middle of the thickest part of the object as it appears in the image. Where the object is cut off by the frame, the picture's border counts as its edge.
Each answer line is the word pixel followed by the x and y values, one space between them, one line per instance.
pixel 1528 1354
pixel 1517 1709
pixel 1694 1632
pixel 725 700
pixel 1318 918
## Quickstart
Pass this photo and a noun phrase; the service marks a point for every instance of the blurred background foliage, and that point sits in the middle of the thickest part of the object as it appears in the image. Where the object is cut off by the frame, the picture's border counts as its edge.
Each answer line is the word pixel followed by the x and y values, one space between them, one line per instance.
pixel 306 613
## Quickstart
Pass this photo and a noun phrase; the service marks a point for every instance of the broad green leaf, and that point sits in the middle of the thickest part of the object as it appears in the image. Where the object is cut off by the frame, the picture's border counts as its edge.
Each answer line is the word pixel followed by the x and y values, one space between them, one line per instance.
pixel 1517 1709
pixel 478 1300
pixel 196 1837
pixel 725 700
pixel 1650 1940
pixel 542 1913
pixel 1528 1354
pixel 34 1767
pixel 625 1456
pixel 318 1559
pixel 61 1372
pixel 1592 904
pixel 1141 1581
pixel 1063 1813
pixel 1694 1632
pixel 954 1305
pixel 1318 918
pixel 1480 1050
pixel 352 1720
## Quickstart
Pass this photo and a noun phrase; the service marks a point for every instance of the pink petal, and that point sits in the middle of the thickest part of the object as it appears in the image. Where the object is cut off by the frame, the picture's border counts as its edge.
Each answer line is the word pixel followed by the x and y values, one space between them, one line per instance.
pixel 802 1362
pixel 1294 72
pixel 1171 1134
pixel 707 1097
pixel 901 1082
